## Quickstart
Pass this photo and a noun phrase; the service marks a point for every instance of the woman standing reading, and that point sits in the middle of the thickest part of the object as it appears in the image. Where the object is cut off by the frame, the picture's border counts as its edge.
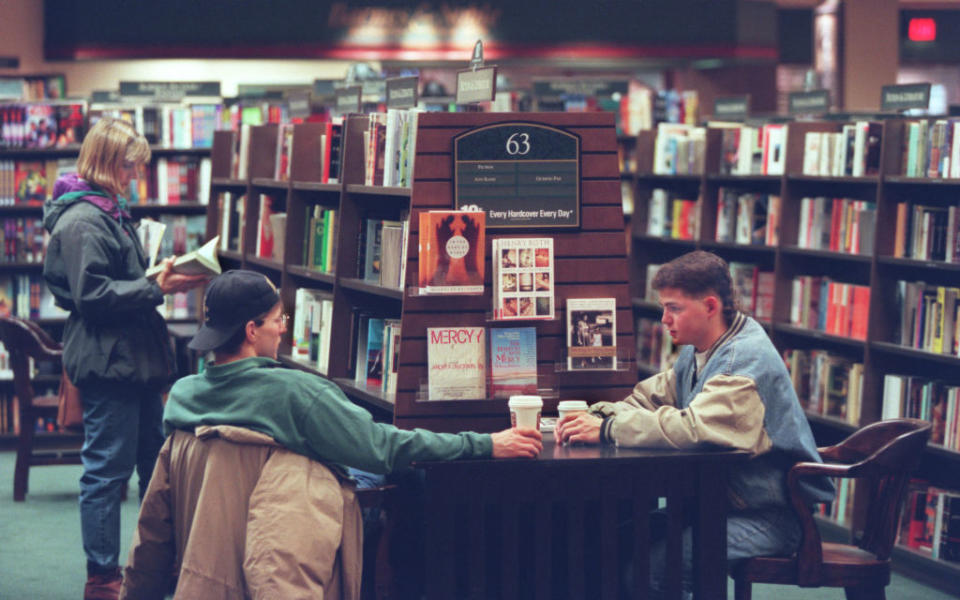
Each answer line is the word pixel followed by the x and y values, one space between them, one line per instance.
pixel 116 347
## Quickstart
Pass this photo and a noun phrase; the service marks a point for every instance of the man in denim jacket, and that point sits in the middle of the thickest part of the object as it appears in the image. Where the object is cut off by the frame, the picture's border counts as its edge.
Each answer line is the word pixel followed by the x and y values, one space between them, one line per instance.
pixel 729 388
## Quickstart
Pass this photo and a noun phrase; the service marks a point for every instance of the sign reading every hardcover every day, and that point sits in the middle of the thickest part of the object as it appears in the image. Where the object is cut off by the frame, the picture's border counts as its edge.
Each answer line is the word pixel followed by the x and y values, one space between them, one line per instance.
pixel 519 174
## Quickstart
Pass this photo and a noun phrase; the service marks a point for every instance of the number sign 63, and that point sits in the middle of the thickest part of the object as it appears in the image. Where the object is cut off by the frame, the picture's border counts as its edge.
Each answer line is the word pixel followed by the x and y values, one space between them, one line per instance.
pixel 518 143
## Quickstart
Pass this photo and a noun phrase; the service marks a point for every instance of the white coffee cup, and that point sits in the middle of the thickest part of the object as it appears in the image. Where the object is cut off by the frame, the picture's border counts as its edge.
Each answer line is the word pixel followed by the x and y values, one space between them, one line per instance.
pixel 525 411
pixel 570 407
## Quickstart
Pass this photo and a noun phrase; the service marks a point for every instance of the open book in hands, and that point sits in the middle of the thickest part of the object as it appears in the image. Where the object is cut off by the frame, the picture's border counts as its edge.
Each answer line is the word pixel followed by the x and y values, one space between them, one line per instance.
pixel 202 261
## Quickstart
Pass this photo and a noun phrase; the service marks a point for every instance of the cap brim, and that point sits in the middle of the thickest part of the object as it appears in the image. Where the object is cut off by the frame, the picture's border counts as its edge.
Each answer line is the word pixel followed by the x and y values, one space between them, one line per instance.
pixel 210 338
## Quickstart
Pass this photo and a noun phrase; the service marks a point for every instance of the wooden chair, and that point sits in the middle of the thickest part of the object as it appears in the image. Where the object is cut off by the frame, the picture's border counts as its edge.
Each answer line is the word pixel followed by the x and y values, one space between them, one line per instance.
pixel 881 456
pixel 24 340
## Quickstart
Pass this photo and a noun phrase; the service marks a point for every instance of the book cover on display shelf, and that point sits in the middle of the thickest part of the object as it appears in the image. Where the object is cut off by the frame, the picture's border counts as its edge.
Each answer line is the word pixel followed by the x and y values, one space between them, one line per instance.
pixel 523 278
pixel 591 334
pixel 513 361
pixel 451 252
pixel 456 363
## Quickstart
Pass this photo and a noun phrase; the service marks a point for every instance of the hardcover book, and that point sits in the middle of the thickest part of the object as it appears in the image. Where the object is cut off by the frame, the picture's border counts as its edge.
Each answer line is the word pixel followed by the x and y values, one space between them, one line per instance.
pixel 513 361
pixel 456 363
pixel 523 278
pixel 451 252
pixel 591 333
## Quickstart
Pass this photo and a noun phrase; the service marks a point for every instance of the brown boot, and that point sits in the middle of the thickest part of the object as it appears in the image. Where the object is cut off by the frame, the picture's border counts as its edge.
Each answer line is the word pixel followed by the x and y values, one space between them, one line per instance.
pixel 103 586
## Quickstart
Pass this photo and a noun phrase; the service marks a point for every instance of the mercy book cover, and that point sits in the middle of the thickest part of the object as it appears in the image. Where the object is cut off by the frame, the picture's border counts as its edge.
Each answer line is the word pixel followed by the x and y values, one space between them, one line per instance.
pixel 513 361
pixel 456 367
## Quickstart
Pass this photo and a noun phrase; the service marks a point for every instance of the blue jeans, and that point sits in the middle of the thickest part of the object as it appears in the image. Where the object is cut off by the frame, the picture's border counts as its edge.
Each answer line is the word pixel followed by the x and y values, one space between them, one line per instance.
pixel 764 532
pixel 121 426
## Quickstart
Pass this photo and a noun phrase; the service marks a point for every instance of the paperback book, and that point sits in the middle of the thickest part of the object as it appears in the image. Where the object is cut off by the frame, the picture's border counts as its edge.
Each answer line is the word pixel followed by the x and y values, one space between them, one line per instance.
pixel 456 363
pixel 523 278
pixel 202 261
pixel 591 333
pixel 451 252
pixel 513 361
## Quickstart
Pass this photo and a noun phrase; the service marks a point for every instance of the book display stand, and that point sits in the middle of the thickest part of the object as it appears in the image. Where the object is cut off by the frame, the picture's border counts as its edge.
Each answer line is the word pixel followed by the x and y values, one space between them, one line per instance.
pixel 590 259
pixel 879 270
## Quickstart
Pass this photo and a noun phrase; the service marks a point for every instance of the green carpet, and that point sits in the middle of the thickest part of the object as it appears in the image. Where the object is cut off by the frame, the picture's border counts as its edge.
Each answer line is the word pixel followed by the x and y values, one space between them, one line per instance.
pixel 41 556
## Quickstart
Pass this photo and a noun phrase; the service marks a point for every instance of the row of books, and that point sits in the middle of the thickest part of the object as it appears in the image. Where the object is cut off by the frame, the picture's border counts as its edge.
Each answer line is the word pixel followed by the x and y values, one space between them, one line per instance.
pixel 271 228
pixel 30 182
pixel 926 232
pixel 928 317
pixel 921 398
pixel 830 306
pixel 930 521
pixel 655 347
pixel 166 125
pixel 329 144
pixel 20 295
pixel 174 180
pixel 841 509
pixel 42 125
pixel 33 88
pixel 23 240
pixel 645 108
pixel 377 351
pixel 746 150
pixel 383 251
pixel 319 251
pixel 671 216
pixel 754 290
pixel 837 224
pixel 826 384
pixel 747 218
pixel 312 314
pixel 679 149
pixel 390 147
pixel 854 151
pixel 931 149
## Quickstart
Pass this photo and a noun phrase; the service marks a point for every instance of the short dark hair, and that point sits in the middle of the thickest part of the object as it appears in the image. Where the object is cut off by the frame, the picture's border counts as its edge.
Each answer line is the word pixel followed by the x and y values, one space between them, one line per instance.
pixel 696 274
pixel 233 343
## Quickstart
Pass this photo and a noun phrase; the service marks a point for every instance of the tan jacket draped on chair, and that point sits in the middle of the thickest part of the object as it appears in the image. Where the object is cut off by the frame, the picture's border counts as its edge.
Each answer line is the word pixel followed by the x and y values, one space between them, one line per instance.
pixel 238 516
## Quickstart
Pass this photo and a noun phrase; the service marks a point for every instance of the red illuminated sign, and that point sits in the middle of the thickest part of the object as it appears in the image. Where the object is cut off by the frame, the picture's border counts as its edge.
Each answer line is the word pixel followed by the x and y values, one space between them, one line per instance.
pixel 922 30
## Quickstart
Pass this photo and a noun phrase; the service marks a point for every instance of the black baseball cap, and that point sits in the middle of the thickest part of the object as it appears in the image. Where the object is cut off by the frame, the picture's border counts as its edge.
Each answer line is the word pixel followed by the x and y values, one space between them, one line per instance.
pixel 233 298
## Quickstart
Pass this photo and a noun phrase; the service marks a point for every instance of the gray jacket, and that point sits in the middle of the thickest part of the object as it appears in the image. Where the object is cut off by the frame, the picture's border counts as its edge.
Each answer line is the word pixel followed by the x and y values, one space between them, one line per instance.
pixel 94 267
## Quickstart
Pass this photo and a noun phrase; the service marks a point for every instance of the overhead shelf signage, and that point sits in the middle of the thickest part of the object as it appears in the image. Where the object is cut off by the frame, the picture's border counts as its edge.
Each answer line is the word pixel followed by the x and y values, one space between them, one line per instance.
pixel 520 174
pixel 813 101
pixel 902 97
pixel 556 89
pixel 402 92
pixel 348 99
pixel 731 107
pixel 169 90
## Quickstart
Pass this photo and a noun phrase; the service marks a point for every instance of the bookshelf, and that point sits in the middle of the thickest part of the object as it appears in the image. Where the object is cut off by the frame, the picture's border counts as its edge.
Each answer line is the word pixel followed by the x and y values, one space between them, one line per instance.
pixel 590 260
pixel 878 269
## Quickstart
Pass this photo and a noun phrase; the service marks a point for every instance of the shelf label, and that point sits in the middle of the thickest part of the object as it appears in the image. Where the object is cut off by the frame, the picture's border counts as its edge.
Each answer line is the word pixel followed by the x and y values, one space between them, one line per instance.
pixel 901 97
pixel 554 90
pixel 402 92
pixel 478 85
pixel 299 104
pixel 348 99
pixel 520 174
pixel 731 107
pixel 814 101
pixel 169 90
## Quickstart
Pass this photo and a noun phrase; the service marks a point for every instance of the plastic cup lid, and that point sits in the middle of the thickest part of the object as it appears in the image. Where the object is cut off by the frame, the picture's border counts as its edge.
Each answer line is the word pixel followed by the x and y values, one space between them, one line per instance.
pixel 525 402
pixel 572 405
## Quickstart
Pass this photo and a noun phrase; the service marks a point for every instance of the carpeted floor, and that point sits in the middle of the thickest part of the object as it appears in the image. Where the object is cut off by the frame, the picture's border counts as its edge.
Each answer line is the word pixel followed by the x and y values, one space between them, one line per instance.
pixel 41 556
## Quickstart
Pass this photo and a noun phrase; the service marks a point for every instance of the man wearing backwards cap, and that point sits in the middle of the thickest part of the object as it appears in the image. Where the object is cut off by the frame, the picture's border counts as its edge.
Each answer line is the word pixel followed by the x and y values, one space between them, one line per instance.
pixel 305 413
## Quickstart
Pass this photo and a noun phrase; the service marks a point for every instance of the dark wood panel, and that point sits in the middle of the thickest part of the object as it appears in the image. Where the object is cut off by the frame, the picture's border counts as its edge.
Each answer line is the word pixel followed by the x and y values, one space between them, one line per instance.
pixel 602 217
pixel 415 323
pixel 440 141
pixel 591 270
pixel 599 166
pixel 601 192
pixel 593 165
pixel 471 120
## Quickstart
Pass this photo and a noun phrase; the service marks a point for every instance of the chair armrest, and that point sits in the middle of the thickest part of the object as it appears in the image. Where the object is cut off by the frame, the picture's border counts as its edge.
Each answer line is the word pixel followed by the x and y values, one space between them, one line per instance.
pixel 810 552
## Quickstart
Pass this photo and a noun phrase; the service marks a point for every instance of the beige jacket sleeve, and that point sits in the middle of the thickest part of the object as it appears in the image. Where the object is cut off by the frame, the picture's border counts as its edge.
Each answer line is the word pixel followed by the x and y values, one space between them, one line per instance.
pixel 150 564
pixel 728 412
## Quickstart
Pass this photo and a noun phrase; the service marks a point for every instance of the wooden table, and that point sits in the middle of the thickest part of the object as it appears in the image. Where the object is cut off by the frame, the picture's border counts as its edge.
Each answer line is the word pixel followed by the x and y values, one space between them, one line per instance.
pixel 567 523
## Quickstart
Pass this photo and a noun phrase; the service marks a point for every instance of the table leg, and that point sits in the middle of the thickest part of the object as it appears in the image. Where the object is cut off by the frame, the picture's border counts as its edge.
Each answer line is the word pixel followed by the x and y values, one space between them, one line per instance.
pixel 710 535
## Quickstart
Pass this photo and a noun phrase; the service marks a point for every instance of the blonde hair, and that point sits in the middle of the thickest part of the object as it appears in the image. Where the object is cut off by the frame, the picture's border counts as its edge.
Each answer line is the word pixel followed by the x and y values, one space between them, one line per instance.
pixel 108 143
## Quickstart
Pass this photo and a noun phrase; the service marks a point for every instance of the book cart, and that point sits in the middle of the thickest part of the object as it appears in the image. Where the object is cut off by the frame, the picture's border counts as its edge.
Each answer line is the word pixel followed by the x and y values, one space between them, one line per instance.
pixel 881 353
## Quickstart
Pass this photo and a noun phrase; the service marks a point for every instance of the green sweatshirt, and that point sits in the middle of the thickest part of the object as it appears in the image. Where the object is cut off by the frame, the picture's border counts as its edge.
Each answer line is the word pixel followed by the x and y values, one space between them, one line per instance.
pixel 308 415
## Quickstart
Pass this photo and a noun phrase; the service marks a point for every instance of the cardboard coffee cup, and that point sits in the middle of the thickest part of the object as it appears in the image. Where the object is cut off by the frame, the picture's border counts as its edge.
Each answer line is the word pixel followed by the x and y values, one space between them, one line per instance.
pixel 570 407
pixel 525 411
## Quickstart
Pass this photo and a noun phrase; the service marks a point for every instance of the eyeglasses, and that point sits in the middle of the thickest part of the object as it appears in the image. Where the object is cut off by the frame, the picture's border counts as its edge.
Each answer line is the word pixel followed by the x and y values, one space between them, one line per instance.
pixel 284 319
